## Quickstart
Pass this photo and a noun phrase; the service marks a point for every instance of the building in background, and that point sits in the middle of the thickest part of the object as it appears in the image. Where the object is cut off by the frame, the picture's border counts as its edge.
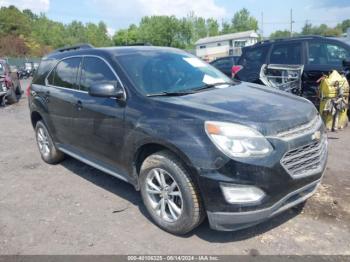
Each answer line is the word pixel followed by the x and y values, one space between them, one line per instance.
pixel 210 48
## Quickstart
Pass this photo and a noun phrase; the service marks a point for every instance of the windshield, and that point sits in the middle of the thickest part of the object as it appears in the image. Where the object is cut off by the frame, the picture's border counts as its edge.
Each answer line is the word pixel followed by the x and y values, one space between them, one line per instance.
pixel 154 72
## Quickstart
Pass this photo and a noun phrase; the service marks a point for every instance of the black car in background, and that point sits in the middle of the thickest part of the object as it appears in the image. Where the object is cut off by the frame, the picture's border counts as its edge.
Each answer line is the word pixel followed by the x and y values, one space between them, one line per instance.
pixel 319 55
pixel 194 142
pixel 225 64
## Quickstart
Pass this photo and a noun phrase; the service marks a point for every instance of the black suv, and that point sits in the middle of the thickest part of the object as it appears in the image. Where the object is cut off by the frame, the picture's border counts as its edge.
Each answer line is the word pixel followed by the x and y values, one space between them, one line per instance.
pixel 319 55
pixel 194 142
pixel 225 64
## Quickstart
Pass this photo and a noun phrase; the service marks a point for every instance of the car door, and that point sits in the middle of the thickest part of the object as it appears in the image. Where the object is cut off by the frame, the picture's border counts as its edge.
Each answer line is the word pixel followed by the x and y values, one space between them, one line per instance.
pixel 59 93
pixel 98 125
pixel 322 57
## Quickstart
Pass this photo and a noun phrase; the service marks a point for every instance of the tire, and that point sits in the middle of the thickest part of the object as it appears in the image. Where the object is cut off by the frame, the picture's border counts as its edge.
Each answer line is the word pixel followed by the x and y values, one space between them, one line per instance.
pixel 48 151
pixel 189 212
pixel 11 96
pixel 19 92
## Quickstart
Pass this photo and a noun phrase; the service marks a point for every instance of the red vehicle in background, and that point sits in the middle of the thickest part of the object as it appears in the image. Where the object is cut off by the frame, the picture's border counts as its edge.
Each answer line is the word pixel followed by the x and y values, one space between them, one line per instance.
pixel 10 87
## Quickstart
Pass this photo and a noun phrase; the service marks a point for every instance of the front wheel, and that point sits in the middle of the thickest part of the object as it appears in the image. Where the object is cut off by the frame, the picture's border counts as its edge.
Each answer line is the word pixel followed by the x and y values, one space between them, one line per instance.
pixel 169 194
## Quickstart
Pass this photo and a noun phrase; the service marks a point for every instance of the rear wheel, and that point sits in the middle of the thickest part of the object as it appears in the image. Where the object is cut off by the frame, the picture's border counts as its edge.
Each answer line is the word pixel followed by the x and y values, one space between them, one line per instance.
pixel 48 151
pixel 11 96
pixel 169 194
pixel 19 91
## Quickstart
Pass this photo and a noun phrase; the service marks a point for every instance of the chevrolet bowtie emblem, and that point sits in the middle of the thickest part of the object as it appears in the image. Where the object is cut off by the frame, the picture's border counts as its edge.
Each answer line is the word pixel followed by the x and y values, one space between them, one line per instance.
pixel 316 135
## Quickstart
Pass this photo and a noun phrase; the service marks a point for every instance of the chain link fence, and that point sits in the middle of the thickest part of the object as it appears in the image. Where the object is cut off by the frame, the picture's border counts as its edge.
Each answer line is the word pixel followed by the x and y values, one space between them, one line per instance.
pixel 19 61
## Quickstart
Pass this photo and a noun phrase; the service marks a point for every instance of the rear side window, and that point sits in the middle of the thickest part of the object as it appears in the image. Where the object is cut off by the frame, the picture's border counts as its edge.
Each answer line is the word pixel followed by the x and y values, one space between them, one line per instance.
pixel 95 71
pixel 65 74
pixel 254 57
pixel 327 53
pixel 286 54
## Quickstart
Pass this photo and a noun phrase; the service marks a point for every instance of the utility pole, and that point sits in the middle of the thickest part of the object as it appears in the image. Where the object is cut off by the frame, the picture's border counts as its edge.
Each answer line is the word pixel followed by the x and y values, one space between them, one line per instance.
pixel 291 22
pixel 262 26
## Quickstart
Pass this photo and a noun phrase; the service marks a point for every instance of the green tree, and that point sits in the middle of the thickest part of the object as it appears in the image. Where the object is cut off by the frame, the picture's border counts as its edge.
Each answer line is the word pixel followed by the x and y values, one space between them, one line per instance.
pixel 13 21
pixel 76 33
pixel 243 21
pixel 344 25
pixel 322 30
pixel 48 32
pixel 226 28
pixel 200 28
pixel 30 14
pixel 126 36
pixel 161 30
pixel 307 29
pixel 212 27
pixel 280 34
pixel 97 34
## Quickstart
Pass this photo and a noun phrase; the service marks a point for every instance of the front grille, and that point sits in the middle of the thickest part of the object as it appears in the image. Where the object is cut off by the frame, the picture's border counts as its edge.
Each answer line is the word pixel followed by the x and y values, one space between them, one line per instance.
pixel 306 160
pixel 301 130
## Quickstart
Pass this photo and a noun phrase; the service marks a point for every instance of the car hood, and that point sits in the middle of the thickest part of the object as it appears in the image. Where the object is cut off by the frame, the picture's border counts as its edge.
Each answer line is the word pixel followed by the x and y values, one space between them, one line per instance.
pixel 266 109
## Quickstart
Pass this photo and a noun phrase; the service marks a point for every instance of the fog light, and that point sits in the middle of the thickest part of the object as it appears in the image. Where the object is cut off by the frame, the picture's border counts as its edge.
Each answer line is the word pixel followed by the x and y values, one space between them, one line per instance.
pixel 241 194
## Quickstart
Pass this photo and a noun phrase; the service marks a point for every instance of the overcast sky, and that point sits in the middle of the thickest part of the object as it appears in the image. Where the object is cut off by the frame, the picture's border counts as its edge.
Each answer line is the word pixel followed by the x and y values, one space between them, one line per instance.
pixel 120 13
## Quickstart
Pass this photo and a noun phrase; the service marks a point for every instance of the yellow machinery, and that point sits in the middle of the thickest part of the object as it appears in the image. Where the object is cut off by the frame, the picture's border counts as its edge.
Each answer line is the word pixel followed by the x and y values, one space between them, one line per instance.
pixel 334 95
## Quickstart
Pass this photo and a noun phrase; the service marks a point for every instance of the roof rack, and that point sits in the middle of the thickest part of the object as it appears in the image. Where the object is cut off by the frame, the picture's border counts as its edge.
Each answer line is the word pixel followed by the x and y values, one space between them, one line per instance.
pixel 139 44
pixel 74 47
pixel 288 38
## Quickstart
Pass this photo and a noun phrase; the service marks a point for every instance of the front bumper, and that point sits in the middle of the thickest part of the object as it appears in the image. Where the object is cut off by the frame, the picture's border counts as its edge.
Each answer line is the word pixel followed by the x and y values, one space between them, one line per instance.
pixel 232 221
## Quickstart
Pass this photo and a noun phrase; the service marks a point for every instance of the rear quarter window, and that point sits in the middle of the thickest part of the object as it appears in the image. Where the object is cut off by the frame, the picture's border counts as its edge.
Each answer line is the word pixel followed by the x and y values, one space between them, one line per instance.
pixel 43 69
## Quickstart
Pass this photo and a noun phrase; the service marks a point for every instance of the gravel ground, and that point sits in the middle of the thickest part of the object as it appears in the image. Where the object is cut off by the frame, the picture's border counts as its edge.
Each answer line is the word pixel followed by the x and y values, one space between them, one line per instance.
pixel 72 208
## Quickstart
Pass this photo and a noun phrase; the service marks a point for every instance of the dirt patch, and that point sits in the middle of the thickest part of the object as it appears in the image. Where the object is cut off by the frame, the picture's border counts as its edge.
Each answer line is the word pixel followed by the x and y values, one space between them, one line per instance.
pixel 325 205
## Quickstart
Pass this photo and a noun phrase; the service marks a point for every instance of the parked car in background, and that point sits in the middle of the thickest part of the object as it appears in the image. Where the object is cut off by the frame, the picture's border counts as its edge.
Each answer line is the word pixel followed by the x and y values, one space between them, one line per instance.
pixel 193 141
pixel 10 87
pixel 225 64
pixel 319 55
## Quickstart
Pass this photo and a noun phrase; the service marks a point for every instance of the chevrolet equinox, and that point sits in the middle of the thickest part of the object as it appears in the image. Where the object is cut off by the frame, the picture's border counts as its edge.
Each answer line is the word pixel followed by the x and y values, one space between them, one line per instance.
pixel 193 141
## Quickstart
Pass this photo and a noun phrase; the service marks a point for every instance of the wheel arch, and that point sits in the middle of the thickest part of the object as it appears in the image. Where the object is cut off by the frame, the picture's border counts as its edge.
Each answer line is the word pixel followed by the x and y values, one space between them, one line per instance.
pixel 147 149
pixel 35 117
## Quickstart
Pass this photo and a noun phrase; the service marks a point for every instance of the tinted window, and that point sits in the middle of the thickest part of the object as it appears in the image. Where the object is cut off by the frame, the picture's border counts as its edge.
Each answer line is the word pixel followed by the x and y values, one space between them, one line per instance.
pixel 44 68
pixel 225 62
pixel 327 54
pixel 286 54
pixel 254 57
pixel 65 74
pixel 95 71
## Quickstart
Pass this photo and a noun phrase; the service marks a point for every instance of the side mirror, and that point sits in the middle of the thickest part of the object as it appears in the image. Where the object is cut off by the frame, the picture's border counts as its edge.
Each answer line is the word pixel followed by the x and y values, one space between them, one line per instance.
pixel 346 63
pixel 107 90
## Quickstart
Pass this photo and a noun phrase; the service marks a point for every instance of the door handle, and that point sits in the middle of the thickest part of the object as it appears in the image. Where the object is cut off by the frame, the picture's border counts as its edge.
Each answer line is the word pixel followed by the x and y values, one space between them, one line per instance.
pixel 47 96
pixel 79 105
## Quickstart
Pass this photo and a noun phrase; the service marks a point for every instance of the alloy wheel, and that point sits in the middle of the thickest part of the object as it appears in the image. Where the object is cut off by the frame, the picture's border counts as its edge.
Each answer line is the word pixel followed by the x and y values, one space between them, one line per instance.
pixel 43 142
pixel 164 195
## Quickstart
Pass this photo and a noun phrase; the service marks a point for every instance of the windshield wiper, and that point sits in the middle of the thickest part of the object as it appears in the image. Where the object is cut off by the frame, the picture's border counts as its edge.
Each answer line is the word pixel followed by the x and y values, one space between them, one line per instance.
pixel 209 86
pixel 180 93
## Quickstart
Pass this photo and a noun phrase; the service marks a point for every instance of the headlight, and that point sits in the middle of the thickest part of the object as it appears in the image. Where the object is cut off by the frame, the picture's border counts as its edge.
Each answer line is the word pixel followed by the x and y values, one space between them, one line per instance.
pixel 237 140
